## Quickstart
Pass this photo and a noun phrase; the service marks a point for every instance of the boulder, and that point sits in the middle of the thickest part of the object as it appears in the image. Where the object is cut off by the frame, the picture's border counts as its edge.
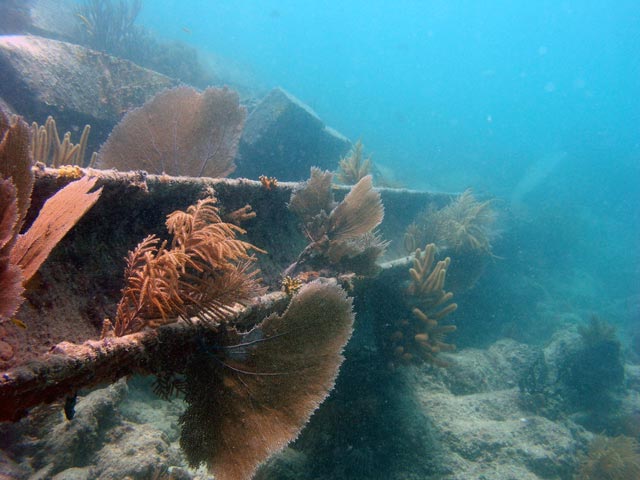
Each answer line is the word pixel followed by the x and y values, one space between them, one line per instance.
pixel 54 18
pixel 76 85
pixel 284 138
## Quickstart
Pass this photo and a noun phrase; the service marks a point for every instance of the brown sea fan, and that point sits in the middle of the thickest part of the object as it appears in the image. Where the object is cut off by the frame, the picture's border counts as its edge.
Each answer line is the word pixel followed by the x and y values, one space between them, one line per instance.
pixel 268 382
pixel 16 161
pixel 346 231
pixel 10 275
pixel 178 132
pixel 22 254
pixel 360 212
pixel 314 196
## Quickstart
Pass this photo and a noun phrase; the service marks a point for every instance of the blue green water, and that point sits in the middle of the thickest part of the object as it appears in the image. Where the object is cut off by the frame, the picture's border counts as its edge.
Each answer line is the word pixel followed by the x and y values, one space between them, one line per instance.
pixel 533 102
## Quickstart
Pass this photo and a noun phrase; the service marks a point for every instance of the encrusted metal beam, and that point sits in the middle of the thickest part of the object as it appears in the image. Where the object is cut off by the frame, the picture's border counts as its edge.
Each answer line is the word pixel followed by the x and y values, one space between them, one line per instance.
pixel 69 367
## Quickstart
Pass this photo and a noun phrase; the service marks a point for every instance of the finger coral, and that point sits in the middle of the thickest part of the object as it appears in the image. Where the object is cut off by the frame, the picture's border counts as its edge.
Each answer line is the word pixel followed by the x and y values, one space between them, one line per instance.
pixel 203 272
pixel 47 148
pixel 422 337
pixel 178 132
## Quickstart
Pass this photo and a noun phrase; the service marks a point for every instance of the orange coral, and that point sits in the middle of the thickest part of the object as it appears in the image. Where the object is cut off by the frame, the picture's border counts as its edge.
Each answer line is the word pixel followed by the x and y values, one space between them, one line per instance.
pixel 268 183
pixel 202 274
pixel 240 215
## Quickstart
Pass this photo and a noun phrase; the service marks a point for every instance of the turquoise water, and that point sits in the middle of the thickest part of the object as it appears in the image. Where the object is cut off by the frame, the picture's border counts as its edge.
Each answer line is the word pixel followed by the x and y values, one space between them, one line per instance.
pixel 486 87
pixel 535 103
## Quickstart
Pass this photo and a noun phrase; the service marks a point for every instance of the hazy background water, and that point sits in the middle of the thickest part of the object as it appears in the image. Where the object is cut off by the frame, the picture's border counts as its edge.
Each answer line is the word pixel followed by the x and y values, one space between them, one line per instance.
pixel 537 103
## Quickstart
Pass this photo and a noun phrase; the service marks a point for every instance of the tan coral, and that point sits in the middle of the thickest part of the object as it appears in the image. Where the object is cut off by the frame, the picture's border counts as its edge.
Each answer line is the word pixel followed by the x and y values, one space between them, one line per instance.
pixel 342 235
pixel 47 148
pixel 354 167
pixel 422 337
pixel 463 226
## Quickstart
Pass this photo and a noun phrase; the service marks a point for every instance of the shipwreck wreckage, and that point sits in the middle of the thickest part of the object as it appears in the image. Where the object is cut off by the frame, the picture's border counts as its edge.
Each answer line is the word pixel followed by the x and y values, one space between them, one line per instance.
pixel 54 349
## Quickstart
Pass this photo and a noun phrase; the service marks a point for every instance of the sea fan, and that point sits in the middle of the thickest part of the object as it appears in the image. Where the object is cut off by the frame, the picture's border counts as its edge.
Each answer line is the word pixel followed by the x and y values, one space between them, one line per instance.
pixel 249 397
pixel 178 132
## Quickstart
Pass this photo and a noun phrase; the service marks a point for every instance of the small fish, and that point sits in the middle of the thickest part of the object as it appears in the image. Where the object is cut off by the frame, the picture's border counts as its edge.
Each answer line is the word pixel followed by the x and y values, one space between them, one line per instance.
pixel 186 30
pixel 19 323
pixel 70 406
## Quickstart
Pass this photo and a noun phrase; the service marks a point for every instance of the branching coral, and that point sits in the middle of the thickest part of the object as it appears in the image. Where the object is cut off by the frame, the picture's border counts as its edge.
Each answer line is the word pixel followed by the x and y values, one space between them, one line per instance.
pixel 354 167
pixel 49 150
pixel 201 274
pixel 611 459
pixel 178 132
pixel 339 233
pixel 422 337
pixel 463 226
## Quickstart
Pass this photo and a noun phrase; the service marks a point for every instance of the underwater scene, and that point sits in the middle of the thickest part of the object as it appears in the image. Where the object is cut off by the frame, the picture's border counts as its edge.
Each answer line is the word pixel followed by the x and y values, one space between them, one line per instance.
pixel 322 240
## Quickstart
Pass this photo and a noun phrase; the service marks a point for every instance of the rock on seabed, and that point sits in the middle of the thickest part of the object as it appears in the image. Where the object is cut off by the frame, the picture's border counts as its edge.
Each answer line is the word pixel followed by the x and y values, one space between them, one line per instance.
pixel 76 85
